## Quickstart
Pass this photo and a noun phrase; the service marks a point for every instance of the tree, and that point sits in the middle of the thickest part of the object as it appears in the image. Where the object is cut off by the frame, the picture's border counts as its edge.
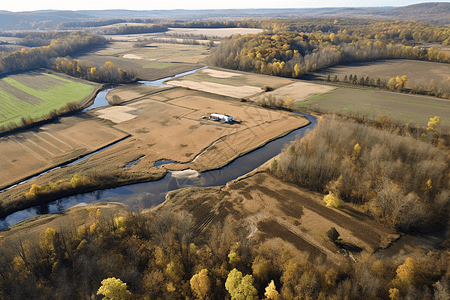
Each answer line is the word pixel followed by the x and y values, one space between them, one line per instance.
pixel 271 291
pixel 433 123
pixel 240 288
pixel 200 284
pixel 114 289
pixel 407 273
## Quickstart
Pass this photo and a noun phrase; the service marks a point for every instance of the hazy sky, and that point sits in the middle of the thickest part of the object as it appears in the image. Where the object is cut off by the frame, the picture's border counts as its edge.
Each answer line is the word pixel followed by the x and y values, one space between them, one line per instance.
pixel 27 5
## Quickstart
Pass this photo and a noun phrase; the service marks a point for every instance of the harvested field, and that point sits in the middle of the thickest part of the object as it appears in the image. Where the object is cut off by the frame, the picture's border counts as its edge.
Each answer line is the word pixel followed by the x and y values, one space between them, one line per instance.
pixel 231 84
pixel 236 79
pixel 298 91
pixel 418 72
pixel 33 95
pixel 149 63
pixel 173 53
pixel 414 109
pixel 272 209
pixel 217 88
pixel 33 151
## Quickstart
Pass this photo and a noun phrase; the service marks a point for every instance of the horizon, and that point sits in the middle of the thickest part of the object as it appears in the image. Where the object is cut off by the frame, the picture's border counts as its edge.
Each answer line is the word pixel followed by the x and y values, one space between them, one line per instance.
pixel 84 5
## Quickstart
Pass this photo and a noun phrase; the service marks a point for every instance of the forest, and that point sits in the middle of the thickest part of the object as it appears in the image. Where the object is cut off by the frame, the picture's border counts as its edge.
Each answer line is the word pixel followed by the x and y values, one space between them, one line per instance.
pixel 164 256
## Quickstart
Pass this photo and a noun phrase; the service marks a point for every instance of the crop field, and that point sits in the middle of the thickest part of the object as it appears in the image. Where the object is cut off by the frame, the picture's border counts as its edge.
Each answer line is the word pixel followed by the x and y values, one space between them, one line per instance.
pixel 231 84
pixel 297 91
pixel 414 109
pixel 418 72
pixel 150 63
pixel 33 95
pixel 33 151
pixel 169 125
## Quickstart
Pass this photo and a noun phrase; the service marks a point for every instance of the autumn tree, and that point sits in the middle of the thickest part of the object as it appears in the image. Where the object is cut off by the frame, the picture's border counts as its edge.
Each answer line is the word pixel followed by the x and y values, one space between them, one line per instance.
pixel 239 287
pixel 200 284
pixel 114 289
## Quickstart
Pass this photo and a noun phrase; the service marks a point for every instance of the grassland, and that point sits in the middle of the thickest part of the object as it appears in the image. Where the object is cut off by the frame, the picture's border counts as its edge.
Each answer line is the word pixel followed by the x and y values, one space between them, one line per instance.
pixel 413 109
pixel 33 95
pixel 418 72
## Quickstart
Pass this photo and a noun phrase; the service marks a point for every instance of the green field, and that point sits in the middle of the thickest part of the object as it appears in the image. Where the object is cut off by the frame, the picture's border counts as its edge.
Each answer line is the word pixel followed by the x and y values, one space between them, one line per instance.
pixel 414 109
pixel 158 65
pixel 33 95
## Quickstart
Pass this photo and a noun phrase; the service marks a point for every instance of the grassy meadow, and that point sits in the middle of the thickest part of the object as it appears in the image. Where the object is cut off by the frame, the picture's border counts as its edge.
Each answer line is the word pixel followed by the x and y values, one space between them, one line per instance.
pixel 33 95
pixel 413 109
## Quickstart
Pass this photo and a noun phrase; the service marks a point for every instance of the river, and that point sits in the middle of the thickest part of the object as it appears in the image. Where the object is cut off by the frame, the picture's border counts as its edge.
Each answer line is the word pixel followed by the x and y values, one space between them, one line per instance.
pixel 148 194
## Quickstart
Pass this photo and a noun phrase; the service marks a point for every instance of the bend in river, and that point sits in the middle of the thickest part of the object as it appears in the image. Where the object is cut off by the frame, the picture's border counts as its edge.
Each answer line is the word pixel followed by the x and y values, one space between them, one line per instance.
pixel 148 194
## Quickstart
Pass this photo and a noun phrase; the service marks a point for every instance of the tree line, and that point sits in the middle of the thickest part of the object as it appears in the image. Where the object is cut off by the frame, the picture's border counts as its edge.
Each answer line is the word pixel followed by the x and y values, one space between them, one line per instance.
pixel 39 57
pixel 133 29
pixel 163 255
pixel 107 73
pixel 292 54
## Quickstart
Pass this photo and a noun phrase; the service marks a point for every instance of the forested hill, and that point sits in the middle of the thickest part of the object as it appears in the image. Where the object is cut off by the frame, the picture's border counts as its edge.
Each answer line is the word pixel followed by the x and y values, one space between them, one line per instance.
pixel 435 13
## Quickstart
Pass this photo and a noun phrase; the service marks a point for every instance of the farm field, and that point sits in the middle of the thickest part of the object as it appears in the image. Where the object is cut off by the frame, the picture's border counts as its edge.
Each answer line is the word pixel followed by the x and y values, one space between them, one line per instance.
pixel 274 210
pixel 150 63
pixel 33 151
pixel 231 84
pixel 34 94
pixel 414 109
pixel 418 72
pixel 163 125
pixel 297 91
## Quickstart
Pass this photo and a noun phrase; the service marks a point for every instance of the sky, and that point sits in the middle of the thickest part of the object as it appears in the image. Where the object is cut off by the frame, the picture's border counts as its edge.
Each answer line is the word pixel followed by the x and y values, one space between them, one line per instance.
pixel 29 5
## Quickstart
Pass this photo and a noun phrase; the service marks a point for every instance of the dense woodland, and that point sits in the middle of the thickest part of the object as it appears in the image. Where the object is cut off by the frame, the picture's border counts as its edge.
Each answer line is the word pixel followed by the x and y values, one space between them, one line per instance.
pixel 163 256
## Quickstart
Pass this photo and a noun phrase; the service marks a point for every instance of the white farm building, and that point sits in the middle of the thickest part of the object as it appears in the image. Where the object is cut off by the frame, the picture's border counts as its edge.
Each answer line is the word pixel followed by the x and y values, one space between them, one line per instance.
pixel 223 118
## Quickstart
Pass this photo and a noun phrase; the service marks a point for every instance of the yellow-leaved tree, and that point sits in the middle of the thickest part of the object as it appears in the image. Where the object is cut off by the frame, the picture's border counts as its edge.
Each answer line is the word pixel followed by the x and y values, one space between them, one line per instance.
pixel 114 289
pixel 200 284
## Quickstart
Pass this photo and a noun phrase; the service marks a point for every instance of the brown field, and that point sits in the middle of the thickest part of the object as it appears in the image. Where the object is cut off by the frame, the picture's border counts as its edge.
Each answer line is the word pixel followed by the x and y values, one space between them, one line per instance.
pixel 273 209
pixel 33 151
pixel 418 72
pixel 298 91
pixel 179 58
pixel 230 84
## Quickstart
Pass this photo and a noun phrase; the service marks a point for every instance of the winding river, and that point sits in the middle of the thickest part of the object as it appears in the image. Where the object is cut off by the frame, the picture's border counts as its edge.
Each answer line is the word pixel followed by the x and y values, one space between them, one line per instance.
pixel 148 194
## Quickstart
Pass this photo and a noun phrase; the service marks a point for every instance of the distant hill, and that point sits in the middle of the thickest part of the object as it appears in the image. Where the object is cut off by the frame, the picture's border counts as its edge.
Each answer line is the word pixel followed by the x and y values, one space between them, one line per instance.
pixel 435 13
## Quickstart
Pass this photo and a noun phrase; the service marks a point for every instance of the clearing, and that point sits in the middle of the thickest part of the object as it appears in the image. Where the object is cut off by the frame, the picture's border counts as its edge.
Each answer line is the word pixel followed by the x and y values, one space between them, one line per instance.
pixel 34 94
